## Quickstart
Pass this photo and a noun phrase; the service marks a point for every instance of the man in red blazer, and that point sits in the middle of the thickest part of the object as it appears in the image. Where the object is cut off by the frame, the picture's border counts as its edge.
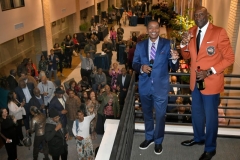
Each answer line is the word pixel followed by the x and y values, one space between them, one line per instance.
pixel 211 50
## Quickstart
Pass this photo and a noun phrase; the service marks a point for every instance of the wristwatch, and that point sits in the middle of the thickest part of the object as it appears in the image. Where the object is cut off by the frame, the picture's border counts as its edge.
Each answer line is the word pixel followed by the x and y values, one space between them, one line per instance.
pixel 209 72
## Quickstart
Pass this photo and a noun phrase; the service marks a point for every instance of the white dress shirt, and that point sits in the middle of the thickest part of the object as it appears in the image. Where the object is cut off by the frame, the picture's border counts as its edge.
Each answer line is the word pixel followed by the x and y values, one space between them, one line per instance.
pixel 27 94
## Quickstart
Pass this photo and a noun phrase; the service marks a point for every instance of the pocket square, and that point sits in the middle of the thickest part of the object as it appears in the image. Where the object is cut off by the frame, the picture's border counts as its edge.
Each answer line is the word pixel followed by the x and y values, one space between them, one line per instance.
pixel 210 42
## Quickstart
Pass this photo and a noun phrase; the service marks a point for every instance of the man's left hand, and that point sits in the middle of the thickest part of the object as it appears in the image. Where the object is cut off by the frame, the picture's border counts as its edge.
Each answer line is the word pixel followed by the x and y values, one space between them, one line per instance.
pixel 67 136
pixel 202 74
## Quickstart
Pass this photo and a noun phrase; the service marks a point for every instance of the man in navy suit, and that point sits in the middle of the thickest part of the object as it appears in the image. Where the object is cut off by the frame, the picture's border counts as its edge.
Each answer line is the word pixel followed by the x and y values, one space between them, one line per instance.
pixel 52 65
pixel 24 92
pixel 151 60
pixel 123 82
pixel 58 103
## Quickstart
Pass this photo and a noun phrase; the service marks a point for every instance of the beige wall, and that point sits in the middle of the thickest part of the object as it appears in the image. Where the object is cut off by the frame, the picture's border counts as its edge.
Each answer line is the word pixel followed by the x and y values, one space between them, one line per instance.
pixel 30 15
pixel 61 8
pixel 86 3
pixel 219 9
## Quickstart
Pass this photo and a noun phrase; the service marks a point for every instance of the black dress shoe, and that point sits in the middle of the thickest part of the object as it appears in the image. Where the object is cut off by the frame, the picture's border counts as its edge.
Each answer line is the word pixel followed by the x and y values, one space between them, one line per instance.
pixel 207 155
pixel 158 149
pixel 191 143
pixel 145 144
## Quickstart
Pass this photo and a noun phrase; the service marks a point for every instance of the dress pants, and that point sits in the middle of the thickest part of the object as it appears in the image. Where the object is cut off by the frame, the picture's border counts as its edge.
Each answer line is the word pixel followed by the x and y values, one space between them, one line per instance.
pixel 26 120
pixel 159 103
pixel 19 131
pixel 53 72
pixel 63 156
pixel 205 111
pixel 11 150
pixel 37 141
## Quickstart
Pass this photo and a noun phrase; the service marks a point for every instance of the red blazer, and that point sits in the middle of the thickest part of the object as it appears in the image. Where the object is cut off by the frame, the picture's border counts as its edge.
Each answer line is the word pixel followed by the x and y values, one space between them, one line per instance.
pixel 215 51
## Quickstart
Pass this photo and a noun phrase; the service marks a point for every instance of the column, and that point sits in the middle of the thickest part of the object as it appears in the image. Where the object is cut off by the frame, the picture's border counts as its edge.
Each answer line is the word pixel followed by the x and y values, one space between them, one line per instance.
pixel 76 18
pixel 95 7
pixel 46 30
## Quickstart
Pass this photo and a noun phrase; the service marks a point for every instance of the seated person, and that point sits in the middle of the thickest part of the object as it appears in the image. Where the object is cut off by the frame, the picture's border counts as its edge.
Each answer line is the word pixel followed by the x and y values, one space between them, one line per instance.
pixel 99 79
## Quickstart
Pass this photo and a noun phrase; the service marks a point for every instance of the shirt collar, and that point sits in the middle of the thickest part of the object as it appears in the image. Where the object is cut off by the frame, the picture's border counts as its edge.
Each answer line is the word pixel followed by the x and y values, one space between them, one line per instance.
pixel 204 28
pixel 156 42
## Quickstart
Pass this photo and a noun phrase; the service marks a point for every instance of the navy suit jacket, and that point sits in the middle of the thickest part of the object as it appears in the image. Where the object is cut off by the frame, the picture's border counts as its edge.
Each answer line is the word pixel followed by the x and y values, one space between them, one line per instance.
pixel 20 94
pixel 58 106
pixel 53 61
pixel 159 76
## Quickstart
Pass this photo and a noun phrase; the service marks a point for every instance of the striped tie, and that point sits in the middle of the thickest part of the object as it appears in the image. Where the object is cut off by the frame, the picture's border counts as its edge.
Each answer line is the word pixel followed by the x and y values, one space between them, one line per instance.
pixel 153 51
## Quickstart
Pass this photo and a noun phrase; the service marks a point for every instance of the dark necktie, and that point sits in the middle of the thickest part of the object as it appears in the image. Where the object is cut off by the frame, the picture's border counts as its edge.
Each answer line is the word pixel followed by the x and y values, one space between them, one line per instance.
pixel 198 40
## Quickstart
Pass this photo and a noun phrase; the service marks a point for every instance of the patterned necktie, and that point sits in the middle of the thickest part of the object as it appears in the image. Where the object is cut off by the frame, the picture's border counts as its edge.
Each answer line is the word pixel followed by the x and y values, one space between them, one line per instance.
pixel 198 40
pixel 153 51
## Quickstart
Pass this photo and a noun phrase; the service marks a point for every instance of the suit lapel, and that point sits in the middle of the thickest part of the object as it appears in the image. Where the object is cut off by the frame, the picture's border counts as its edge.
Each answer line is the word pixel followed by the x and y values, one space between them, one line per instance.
pixel 203 47
pixel 146 48
pixel 159 49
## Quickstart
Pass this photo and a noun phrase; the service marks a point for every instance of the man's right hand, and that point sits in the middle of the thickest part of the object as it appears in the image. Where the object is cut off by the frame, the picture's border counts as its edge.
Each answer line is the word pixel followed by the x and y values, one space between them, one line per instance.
pixel 79 138
pixel 186 37
pixel 64 111
pixel 146 68
pixel 58 126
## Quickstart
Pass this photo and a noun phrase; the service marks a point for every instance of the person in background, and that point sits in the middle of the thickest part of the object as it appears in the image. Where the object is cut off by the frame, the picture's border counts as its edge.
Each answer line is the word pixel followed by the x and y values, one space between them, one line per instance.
pixel 68 50
pixel 27 78
pixel 43 65
pixel 16 109
pixel 107 48
pixel 90 48
pixel 134 37
pixel 58 51
pixel 93 103
pixel 80 129
pixel 123 82
pixel 94 29
pixel 38 101
pixel 73 104
pixel 4 93
pixel 113 36
pixel 24 93
pixel 124 17
pixel 47 89
pixel 52 65
pixel 31 68
pixel 8 133
pixel 118 17
pixel 11 79
pixel 87 66
pixel 73 87
pixel 109 108
pixel 76 43
pixel 56 136
pixel 99 79
pixel 58 103
pixel 38 123
pixel 92 21
pixel 114 72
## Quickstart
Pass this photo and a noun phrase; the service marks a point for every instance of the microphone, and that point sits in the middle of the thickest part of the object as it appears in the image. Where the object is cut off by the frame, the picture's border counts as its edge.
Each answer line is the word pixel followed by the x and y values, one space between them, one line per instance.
pixel 151 64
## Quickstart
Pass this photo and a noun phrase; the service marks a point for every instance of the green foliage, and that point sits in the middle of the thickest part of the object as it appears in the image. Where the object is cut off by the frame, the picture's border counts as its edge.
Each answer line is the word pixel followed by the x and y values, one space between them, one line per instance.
pixel 84 26
pixel 185 79
pixel 110 9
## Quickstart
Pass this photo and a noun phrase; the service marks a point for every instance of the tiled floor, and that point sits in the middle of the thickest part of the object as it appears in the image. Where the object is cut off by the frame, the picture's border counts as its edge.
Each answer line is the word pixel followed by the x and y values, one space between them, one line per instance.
pixel 25 154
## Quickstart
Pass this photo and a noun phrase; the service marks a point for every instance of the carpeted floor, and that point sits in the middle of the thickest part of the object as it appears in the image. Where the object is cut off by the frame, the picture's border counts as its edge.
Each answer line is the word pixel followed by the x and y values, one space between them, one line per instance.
pixel 227 149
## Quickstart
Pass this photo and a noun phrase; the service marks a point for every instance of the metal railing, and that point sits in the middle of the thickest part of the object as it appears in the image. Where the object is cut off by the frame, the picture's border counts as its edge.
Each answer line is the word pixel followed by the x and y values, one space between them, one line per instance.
pixel 122 146
pixel 124 138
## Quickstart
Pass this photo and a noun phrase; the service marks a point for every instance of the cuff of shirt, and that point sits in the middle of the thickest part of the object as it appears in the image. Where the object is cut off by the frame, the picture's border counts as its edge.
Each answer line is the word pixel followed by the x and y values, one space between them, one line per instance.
pixel 213 70
pixel 141 71
pixel 182 46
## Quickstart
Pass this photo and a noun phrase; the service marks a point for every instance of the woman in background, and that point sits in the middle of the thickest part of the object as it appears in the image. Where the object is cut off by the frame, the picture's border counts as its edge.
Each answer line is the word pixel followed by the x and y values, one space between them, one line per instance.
pixel 16 109
pixel 114 72
pixel 8 133
pixel 59 52
pixel 113 36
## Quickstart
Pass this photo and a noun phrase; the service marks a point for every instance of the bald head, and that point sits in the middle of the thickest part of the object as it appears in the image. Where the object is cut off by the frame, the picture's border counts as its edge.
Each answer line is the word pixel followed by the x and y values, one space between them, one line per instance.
pixel 22 84
pixel 36 92
pixel 173 79
pixel 201 16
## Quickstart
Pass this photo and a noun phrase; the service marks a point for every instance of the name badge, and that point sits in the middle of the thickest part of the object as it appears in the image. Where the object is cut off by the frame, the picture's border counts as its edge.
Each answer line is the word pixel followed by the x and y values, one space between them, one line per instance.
pixel 210 50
